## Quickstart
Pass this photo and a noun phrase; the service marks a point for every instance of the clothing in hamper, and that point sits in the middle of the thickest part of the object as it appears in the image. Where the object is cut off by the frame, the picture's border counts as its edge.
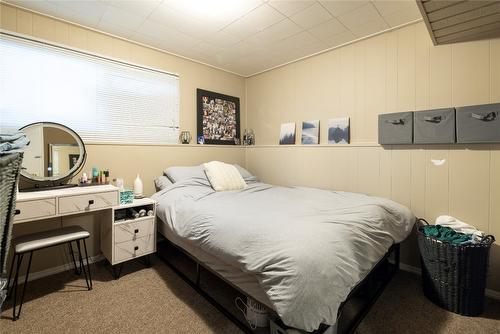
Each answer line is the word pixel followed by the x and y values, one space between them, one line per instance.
pixel 461 227
pixel 446 234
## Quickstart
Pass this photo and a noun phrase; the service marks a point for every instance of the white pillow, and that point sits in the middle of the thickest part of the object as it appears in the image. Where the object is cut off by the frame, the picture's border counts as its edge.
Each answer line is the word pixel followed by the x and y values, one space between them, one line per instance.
pixel 223 176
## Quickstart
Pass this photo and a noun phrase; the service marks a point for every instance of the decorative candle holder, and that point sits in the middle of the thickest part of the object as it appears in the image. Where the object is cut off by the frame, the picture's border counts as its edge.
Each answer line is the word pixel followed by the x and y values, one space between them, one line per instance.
pixel 185 137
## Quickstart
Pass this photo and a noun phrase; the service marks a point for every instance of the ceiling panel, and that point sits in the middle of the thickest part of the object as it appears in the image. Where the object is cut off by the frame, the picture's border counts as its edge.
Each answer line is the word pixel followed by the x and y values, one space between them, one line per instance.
pixel 289 8
pixel 255 21
pixel 311 16
pixel 241 36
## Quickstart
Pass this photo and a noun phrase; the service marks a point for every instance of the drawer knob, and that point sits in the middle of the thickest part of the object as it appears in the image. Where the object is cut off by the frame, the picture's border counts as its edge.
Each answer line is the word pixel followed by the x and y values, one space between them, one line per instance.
pixel 91 202
pixel 136 230
pixel 17 212
pixel 136 248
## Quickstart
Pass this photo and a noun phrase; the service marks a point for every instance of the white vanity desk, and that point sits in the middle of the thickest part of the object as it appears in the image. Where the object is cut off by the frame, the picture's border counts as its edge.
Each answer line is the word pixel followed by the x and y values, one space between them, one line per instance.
pixel 120 241
pixel 46 204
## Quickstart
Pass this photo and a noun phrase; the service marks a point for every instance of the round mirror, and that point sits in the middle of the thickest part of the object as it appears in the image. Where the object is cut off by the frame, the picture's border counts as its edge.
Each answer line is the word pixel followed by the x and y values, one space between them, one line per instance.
pixel 55 154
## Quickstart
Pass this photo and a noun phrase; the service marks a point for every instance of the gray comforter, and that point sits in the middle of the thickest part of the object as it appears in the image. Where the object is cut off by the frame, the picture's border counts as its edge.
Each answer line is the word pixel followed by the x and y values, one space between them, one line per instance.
pixel 307 247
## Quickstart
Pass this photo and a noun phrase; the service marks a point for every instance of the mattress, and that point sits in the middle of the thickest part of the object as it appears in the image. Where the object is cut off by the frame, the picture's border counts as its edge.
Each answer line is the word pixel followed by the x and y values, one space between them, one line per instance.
pixel 306 248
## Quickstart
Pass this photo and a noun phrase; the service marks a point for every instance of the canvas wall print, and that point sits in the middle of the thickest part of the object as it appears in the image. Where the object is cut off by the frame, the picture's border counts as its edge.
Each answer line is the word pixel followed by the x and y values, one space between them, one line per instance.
pixel 310 132
pixel 218 118
pixel 287 134
pixel 338 131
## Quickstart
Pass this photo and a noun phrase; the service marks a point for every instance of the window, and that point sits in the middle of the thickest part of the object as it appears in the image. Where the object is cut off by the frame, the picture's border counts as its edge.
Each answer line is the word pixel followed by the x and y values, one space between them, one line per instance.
pixel 102 100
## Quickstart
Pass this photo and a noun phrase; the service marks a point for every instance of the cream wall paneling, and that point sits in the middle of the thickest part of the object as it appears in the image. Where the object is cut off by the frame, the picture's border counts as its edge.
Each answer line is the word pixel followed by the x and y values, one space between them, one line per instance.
pixel 396 71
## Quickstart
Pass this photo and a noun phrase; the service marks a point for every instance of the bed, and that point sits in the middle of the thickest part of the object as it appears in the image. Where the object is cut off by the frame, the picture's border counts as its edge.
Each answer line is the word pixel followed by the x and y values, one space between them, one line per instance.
pixel 300 251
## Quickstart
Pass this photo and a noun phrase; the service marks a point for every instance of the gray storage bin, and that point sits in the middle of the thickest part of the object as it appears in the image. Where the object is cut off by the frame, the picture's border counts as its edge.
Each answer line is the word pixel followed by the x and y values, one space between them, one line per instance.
pixel 478 124
pixel 434 126
pixel 396 128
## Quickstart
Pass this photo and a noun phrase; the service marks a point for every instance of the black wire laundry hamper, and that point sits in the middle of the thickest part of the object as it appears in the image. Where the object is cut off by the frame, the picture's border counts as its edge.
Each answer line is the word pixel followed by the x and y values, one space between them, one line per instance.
pixel 454 276
pixel 10 166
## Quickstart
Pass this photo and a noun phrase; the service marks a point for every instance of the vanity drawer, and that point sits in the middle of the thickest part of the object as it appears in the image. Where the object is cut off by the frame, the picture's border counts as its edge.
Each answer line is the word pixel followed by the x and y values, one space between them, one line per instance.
pixel 87 202
pixel 134 230
pixel 134 248
pixel 36 209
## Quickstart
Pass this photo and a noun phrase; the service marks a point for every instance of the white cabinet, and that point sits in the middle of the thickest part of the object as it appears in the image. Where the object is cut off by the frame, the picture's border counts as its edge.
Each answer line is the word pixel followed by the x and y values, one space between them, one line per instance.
pixel 124 237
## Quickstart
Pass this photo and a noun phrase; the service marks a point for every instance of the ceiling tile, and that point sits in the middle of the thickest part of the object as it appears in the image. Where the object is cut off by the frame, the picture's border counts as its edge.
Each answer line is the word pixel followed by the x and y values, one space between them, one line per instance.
pixel 221 11
pixel 115 29
pixel 274 33
pixel 38 6
pixel 288 8
pixel 398 18
pixel 166 36
pixel 221 39
pixel 328 29
pixel 397 12
pixel 119 17
pixel 138 7
pixel 311 16
pixel 337 8
pixel 387 7
pixel 206 49
pixel 363 19
pixel 84 11
pixel 370 27
pixel 300 41
pixel 255 21
pixel 339 39
pixel 168 16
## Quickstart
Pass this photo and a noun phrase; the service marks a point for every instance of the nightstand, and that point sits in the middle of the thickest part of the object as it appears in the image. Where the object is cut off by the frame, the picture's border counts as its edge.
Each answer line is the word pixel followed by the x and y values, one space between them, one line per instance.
pixel 125 236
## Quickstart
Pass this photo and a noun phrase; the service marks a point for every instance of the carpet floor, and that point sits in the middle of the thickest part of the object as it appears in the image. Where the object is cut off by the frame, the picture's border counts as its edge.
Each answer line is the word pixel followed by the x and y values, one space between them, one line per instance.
pixel 156 300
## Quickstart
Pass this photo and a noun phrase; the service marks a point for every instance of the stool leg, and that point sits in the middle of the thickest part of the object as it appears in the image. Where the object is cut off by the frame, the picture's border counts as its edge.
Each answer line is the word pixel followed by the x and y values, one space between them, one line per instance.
pixel 81 263
pixel 10 276
pixel 25 284
pixel 16 280
pixel 77 272
pixel 88 266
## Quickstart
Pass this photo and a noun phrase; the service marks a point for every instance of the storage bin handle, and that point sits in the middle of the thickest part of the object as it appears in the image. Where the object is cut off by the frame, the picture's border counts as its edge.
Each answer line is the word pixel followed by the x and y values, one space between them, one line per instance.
pixel 491 116
pixel 433 119
pixel 396 121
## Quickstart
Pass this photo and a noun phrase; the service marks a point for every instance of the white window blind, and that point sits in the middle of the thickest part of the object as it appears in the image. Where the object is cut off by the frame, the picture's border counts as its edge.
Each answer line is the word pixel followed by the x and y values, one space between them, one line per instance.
pixel 102 100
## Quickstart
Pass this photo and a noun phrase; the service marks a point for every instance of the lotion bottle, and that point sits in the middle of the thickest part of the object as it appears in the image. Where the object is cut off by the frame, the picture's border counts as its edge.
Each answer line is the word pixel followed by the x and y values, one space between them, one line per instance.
pixel 138 187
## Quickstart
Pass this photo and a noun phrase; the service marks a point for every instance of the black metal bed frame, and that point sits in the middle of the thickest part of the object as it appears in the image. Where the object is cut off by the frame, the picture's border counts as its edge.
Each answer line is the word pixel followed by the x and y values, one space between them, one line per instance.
pixel 375 282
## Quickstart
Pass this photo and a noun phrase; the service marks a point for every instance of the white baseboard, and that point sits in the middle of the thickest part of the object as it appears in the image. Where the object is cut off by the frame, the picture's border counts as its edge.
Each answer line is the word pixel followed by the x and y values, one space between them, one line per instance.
pixel 493 294
pixel 56 270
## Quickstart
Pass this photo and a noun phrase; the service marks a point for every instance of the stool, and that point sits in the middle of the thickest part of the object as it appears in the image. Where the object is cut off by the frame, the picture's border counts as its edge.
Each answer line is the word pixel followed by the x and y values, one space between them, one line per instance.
pixel 36 241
